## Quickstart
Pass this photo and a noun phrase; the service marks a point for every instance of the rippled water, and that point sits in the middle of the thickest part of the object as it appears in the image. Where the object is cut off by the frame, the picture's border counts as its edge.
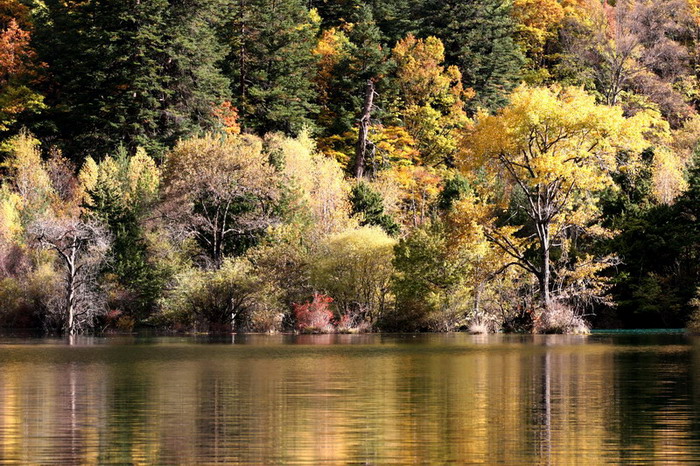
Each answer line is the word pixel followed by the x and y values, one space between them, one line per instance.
pixel 376 399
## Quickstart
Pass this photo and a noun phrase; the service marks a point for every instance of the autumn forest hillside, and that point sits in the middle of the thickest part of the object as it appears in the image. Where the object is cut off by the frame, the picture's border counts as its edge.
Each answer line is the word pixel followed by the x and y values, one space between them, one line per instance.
pixel 349 166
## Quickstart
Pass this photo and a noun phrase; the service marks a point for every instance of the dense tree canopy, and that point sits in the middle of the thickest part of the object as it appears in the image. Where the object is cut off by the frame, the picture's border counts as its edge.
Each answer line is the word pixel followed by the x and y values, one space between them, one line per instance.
pixel 347 165
pixel 130 73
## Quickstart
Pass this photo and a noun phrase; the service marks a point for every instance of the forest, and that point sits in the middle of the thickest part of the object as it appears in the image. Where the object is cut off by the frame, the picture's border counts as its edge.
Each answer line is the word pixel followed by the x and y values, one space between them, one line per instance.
pixel 349 166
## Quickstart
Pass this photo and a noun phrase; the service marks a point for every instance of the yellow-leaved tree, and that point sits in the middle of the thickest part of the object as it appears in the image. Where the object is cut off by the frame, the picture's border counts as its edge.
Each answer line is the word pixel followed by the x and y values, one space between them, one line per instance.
pixel 557 150
pixel 319 188
pixel 432 98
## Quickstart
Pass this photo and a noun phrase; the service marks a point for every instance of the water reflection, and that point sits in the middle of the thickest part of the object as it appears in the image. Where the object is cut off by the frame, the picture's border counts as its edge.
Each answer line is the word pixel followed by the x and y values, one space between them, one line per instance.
pixel 342 398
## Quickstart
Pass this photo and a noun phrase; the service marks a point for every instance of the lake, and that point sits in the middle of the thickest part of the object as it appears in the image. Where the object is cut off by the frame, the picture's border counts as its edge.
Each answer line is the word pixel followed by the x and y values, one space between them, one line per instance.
pixel 339 399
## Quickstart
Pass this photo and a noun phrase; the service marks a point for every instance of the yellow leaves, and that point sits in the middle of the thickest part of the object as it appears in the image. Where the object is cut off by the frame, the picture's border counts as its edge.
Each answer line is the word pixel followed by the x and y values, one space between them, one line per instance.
pixel 129 181
pixel 469 217
pixel 361 241
pixel 219 166
pixel 537 21
pixel 15 99
pixel 142 175
pixel 432 97
pixel 339 147
pixel 319 181
pixel 422 78
pixel 694 7
pixel 416 190
pixel 557 148
pixel 331 48
pixel 685 139
pixel 393 144
pixel 668 177
pixel 587 268
pixel 314 16
pixel 10 222
pixel 108 178
pixel 473 225
pixel 436 133
pixel 88 175
pixel 28 173
pixel 555 135
pixel 419 71
pixel 355 267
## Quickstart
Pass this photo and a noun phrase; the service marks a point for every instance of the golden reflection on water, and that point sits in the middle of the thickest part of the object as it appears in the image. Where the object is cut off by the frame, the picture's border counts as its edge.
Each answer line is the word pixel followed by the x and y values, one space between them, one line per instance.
pixel 344 399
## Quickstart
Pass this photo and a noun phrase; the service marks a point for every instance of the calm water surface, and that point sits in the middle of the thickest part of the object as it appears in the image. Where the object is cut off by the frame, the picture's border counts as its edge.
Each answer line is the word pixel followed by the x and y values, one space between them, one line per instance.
pixel 377 399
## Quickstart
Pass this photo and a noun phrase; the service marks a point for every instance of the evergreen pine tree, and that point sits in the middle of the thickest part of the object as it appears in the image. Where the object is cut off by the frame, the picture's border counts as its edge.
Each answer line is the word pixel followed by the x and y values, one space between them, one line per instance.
pixel 336 13
pixel 130 73
pixel 478 38
pixel 370 205
pixel 395 18
pixel 366 59
pixel 270 63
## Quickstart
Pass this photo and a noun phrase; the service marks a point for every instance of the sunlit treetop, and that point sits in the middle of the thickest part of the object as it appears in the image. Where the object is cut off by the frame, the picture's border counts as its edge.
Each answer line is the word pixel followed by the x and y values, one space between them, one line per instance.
pixel 558 135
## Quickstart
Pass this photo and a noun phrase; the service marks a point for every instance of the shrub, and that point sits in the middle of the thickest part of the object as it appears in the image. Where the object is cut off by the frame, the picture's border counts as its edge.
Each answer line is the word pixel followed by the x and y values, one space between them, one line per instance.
pixel 118 321
pixel 355 267
pixel 559 318
pixel 315 316
pixel 15 308
pixel 353 321
pixel 233 297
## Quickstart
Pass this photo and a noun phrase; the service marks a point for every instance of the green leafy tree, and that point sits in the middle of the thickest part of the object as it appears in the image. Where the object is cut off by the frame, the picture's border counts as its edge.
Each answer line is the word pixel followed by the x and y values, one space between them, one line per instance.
pixel 558 148
pixel 122 191
pixel 431 282
pixel 659 245
pixel 231 297
pixel 355 268
pixel 369 205
pixel 222 191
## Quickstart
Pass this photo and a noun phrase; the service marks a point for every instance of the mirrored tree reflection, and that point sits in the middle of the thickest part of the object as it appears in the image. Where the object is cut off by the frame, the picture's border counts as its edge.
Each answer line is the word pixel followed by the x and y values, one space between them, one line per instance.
pixel 546 400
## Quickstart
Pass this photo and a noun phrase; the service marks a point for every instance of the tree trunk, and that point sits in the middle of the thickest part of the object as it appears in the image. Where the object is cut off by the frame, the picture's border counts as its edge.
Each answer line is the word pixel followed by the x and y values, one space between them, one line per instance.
pixel 361 150
pixel 71 297
pixel 477 299
pixel 544 277
pixel 242 54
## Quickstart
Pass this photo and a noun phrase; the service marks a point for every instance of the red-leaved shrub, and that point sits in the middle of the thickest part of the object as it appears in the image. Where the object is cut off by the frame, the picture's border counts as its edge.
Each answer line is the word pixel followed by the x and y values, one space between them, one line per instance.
pixel 315 316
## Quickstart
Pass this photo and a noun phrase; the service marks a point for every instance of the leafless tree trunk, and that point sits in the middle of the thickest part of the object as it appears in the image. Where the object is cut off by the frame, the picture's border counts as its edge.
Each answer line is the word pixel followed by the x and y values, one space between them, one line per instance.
pixel 81 247
pixel 365 119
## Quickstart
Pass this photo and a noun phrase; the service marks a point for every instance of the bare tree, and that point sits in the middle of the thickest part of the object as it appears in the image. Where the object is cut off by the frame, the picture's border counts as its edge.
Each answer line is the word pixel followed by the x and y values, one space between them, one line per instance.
pixel 634 46
pixel 81 247
pixel 363 135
